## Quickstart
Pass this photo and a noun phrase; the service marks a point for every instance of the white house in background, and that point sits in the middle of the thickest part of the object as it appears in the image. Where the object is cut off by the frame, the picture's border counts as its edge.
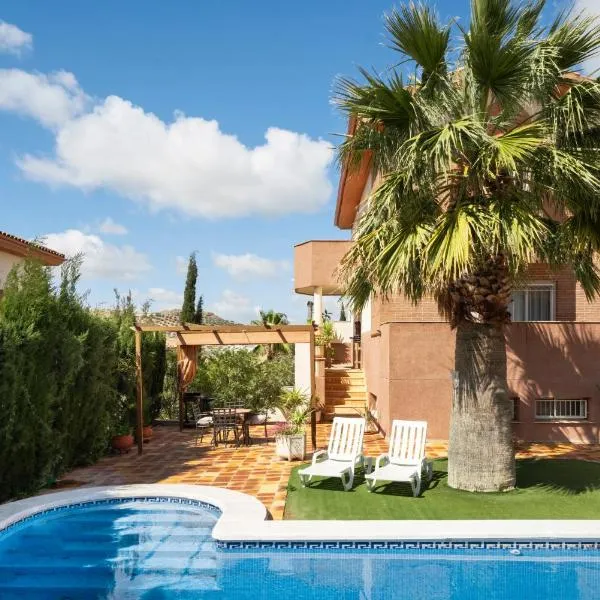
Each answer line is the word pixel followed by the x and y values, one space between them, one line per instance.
pixel 14 250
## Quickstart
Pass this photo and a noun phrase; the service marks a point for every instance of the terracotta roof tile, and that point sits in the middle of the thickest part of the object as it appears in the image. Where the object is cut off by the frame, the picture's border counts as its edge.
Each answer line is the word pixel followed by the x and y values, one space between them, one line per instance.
pixel 20 246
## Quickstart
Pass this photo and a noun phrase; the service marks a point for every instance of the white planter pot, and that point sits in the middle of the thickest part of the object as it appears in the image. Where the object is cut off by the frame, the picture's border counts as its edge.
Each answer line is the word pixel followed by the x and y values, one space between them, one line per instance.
pixel 291 447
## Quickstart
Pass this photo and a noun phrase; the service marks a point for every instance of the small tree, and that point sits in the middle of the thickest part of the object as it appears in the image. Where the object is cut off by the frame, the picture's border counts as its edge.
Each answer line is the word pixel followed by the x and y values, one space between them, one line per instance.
pixel 272 318
pixel 188 309
pixel 343 313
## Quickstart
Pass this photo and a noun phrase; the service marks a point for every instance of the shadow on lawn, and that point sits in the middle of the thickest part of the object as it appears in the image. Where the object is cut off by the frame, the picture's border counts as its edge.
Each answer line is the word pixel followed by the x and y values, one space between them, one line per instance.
pixel 334 484
pixel 404 489
pixel 569 477
pixel 331 484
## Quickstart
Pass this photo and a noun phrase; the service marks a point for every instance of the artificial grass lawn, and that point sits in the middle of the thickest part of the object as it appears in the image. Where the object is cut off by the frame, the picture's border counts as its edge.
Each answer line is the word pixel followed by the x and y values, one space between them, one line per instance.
pixel 547 489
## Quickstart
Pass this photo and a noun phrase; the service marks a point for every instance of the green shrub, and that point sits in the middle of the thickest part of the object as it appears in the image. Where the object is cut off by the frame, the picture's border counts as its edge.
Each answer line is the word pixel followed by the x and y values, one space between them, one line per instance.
pixel 169 408
pixel 240 375
pixel 154 364
pixel 67 377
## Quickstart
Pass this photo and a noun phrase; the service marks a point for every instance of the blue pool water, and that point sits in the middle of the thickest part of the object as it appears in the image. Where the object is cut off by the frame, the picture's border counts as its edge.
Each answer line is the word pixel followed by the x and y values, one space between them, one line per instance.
pixel 163 551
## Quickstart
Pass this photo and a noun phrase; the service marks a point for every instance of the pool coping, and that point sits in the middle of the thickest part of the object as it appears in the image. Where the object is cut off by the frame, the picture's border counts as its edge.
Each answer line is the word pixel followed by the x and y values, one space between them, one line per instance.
pixel 243 521
pixel 232 505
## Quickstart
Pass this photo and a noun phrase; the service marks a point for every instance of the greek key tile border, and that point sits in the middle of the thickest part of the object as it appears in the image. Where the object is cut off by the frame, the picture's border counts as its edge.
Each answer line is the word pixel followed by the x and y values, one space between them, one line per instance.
pixel 88 503
pixel 413 545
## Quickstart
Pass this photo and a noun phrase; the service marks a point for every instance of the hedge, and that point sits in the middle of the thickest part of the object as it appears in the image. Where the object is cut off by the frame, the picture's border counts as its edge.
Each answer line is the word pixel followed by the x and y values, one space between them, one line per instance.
pixel 61 366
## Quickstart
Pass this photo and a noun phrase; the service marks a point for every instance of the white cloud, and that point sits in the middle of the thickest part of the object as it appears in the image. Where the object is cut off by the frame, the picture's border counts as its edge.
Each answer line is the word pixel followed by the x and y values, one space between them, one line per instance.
pixel 250 266
pixel 50 99
pixel 163 299
pixel 593 8
pixel 14 40
pixel 189 164
pixel 111 227
pixel 234 307
pixel 100 260
pixel 181 264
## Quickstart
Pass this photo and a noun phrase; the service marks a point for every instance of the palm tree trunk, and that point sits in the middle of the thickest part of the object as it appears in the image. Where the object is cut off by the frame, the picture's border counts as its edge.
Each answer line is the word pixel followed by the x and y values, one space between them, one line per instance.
pixel 481 451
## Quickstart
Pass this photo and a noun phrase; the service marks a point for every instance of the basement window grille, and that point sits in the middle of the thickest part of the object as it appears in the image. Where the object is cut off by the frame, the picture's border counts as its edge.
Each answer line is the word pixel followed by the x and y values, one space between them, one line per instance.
pixel 551 409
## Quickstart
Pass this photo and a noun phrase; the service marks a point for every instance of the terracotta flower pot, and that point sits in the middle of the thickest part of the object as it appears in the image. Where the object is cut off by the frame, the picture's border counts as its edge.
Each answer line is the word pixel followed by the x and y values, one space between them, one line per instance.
pixel 122 443
pixel 147 433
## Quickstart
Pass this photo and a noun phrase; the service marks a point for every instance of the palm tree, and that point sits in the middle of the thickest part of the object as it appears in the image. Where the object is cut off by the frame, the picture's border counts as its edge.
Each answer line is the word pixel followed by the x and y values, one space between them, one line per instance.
pixel 487 159
pixel 271 318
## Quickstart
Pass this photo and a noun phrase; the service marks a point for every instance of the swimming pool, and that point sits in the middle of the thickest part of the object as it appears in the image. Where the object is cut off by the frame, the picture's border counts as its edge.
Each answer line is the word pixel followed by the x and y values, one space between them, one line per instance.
pixel 163 548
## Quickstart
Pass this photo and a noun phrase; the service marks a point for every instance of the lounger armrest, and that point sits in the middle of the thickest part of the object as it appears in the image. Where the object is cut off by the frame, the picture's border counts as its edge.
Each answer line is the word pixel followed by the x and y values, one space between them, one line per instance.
pixel 381 461
pixel 317 455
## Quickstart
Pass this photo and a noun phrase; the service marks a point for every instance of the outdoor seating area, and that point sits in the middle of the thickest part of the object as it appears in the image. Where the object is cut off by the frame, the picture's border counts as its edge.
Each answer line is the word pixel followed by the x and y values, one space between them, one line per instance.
pixel 227 424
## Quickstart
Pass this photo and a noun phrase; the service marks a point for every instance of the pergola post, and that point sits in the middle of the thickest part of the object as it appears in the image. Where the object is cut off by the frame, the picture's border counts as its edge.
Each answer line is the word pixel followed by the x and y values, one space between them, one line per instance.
pixel 139 408
pixel 313 414
pixel 180 390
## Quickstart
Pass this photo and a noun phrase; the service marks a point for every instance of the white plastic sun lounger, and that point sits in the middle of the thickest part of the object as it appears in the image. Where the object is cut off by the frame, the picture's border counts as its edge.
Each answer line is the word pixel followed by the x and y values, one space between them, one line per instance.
pixel 405 460
pixel 343 454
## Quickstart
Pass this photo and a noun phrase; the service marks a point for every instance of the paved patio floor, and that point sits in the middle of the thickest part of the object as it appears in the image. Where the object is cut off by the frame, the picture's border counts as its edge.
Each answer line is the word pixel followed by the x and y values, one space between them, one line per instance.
pixel 174 457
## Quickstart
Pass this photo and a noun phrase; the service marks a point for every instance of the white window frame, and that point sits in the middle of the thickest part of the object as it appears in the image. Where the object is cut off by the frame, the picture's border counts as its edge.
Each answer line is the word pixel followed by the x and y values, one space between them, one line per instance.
pixel 534 284
pixel 556 416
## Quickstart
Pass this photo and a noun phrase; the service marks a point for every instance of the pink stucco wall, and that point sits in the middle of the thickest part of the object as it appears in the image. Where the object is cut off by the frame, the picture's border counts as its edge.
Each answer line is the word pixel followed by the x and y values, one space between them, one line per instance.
pixel 408 371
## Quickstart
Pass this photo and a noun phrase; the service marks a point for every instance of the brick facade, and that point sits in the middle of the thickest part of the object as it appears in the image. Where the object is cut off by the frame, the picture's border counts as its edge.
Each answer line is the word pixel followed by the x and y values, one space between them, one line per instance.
pixel 570 301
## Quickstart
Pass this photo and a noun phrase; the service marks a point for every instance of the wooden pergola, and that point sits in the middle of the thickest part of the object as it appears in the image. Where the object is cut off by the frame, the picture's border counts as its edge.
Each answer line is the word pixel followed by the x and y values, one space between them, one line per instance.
pixel 190 335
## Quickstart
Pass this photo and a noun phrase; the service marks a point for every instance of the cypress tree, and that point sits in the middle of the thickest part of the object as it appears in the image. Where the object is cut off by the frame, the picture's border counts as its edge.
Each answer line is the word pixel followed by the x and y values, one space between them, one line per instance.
pixel 189 293
pixel 199 314
pixel 343 313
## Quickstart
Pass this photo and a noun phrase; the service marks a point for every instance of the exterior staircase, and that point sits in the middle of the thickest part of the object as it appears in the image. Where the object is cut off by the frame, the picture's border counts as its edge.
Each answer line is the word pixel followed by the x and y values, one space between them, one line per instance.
pixel 345 393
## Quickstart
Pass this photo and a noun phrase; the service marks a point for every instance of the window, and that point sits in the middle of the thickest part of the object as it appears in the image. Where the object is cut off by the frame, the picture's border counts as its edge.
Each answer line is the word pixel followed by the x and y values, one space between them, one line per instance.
pixel 515 406
pixel 551 409
pixel 533 303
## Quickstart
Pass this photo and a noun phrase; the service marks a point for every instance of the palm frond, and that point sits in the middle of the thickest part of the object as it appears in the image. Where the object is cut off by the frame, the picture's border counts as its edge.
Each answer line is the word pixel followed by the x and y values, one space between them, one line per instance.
pixel 574 40
pixel 450 248
pixel 415 31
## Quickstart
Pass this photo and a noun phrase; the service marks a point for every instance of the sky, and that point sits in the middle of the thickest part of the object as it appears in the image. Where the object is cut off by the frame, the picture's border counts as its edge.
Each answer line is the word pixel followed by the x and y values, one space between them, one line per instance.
pixel 139 132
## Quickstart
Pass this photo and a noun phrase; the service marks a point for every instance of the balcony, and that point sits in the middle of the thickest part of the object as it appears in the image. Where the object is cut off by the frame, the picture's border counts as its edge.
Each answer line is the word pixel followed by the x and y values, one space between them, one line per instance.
pixel 315 264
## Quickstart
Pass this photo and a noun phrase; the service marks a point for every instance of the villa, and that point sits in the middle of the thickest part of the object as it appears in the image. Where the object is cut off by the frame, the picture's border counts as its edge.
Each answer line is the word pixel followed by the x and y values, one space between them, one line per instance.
pixel 403 354
pixel 14 250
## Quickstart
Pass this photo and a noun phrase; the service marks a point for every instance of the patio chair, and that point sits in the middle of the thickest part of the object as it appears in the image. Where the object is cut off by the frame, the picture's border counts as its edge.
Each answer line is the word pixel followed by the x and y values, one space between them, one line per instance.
pixel 225 422
pixel 405 462
pixel 343 454
pixel 202 420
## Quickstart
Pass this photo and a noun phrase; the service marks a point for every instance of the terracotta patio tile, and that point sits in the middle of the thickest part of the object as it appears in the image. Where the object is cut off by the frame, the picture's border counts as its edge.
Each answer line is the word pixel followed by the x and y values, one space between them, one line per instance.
pixel 173 457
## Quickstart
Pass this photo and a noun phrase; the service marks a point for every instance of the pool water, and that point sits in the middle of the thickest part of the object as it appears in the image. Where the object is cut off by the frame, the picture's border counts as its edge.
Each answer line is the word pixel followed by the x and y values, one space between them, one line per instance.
pixel 164 551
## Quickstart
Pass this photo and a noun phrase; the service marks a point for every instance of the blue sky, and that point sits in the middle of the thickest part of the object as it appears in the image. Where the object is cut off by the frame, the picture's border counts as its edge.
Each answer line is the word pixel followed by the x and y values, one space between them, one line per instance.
pixel 140 131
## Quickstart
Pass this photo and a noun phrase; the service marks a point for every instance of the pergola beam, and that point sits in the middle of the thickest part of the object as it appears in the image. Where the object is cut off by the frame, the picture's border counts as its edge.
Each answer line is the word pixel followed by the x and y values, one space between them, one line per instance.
pixel 186 327
pixel 241 338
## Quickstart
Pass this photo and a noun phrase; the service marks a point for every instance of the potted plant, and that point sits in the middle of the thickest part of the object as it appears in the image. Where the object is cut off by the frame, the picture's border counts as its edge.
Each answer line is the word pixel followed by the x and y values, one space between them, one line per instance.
pixel 122 440
pixel 290 438
pixel 323 342
pixel 147 432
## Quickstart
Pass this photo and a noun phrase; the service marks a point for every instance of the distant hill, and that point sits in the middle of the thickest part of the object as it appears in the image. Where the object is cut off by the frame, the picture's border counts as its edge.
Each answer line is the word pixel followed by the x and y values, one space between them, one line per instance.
pixel 170 318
